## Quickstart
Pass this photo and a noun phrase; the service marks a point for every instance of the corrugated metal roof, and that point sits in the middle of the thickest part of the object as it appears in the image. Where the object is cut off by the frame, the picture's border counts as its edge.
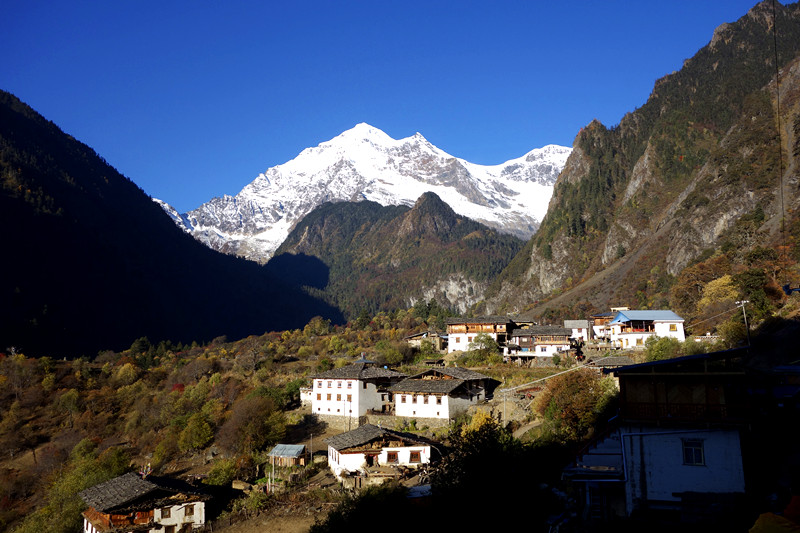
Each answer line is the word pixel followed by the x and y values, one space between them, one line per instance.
pixel 661 315
pixel 287 450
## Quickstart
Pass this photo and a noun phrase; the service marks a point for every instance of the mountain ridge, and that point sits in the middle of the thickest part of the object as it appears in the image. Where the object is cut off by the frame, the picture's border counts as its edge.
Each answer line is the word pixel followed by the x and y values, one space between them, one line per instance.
pixel 364 163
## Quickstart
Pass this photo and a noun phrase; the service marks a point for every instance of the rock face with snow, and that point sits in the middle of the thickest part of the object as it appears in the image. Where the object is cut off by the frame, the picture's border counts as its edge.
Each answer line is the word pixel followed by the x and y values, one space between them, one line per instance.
pixel 364 163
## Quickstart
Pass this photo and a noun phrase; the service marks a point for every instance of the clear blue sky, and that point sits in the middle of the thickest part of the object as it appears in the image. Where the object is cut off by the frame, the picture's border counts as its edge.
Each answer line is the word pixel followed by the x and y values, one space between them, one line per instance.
pixel 194 99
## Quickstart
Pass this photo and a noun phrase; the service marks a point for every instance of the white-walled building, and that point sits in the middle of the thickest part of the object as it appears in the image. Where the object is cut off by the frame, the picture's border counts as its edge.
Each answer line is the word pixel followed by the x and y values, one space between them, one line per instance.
pixel 678 443
pixel 153 504
pixel 580 329
pixel 441 393
pixel 537 341
pixel 353 390
pixel 631 329
pixel 462 331
pixel 369 446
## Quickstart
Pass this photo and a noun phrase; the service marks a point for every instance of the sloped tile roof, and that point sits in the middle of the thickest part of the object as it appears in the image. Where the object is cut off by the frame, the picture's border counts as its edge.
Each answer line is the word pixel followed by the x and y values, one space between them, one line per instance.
pixel 129 488
pixel 368 433
pixel 359 370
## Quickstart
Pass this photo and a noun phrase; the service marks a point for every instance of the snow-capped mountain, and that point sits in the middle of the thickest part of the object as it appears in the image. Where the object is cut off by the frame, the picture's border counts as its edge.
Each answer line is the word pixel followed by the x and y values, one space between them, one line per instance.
pixel 364 163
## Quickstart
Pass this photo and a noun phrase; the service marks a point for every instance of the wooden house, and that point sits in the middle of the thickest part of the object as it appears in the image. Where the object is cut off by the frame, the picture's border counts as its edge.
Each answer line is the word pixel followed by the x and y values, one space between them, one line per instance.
pixel 150 504
pixel 462 331
pixel 527 344
pixel 677 443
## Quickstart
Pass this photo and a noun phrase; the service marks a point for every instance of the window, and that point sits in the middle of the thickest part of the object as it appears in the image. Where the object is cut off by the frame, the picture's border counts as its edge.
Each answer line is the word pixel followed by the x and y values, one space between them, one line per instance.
pixel 330 384
pixel 458 339
pixel 188 510
pixel 424 399
pixel 319 396
pixel 338 384
pixel 639 341
pixel 338 397
pixel 543 349
pixel 414 457
pixel 169 529
pixel 319 384
pixel 414 398
pixel 403 398
pixel 693 452
pixel 166 512
pixel 349 397
pixel 673 327
pixel 391 457
pixel 328 397
pixel 438 401
pixel 349 384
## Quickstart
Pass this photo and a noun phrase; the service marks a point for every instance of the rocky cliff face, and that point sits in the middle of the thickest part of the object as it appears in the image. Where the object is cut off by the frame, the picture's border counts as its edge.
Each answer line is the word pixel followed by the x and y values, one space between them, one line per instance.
pixel 638 203
pixel 371 257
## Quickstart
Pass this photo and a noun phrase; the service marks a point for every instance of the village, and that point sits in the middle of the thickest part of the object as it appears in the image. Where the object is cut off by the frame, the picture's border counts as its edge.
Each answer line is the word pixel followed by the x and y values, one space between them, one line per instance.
pixel 682 441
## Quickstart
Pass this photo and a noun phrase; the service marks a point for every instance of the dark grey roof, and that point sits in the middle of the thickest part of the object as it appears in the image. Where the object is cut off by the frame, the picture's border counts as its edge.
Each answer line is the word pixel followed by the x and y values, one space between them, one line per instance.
pixel 454 372
pixel 576 324
pixel 359 370
pixel 367 433
pixel 541 330
pixel 614 361
pixel 129 488
pixel 432 386
pixel 480 320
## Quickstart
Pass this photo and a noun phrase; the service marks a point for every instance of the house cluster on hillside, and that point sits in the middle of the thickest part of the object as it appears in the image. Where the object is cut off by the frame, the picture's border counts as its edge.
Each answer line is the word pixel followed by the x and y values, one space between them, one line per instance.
pixel 526 343
pixel 346 396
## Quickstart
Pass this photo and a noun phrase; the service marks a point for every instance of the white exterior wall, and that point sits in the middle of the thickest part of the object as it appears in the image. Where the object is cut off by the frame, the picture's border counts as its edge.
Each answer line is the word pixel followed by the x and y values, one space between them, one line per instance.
pixel 355 462
pixel 580 333
pixel 663 330
pixel 338 403
pixel 459 342
pixel 178 516
pixel 665 472
pixel 420 408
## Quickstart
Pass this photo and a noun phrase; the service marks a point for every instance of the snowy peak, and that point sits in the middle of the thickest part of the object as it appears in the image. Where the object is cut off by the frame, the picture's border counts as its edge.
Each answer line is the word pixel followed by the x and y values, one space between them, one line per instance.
pixel 364 163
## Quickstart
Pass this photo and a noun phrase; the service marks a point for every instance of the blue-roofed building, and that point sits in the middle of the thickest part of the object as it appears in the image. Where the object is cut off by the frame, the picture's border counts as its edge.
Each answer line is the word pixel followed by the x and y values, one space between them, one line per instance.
pixel 631 328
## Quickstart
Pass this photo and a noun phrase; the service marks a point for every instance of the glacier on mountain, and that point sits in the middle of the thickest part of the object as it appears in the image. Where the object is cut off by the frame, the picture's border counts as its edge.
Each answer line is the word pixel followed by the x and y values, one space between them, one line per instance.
pixel 364 163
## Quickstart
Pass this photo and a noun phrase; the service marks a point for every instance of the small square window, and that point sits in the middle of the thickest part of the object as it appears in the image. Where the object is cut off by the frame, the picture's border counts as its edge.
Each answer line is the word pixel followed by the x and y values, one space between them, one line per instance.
pixel 693 453
pixel 338 397
pixel 415 458
pixel 166 512
pixel 338 384
pixel 391 457
pixel 330 384
pixel 673 327
pixel 188 510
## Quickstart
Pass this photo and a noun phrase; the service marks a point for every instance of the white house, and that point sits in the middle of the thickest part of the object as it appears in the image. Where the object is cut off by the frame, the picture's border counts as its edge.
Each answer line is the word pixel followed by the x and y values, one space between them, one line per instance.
pixel 677 445
pixel 351 391
pixel 153 504
pixel 369 446
pixel 580 329
pixel 631 329
pixel 462 331
pixel 441 393
pixel 538 341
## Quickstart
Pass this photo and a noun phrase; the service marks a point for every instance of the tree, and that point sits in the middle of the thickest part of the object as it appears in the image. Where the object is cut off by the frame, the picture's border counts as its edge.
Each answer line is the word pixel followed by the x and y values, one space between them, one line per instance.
pixel 254 423
pixel 484 344
pixel 573 403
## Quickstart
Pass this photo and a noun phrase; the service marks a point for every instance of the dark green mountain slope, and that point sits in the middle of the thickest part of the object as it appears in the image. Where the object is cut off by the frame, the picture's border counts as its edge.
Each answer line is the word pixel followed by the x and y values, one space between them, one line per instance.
pixel 383 258
pixel 692 174
pixel 90 262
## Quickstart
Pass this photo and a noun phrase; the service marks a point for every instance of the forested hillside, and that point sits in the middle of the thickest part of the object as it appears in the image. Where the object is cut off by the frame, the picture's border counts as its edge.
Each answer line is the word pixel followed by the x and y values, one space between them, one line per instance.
pixel 91 262
pixel 362 256
pixel 690 188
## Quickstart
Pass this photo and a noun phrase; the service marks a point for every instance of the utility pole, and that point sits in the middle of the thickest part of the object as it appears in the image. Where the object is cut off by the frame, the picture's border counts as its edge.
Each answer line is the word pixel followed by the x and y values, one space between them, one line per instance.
pixel 741 304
